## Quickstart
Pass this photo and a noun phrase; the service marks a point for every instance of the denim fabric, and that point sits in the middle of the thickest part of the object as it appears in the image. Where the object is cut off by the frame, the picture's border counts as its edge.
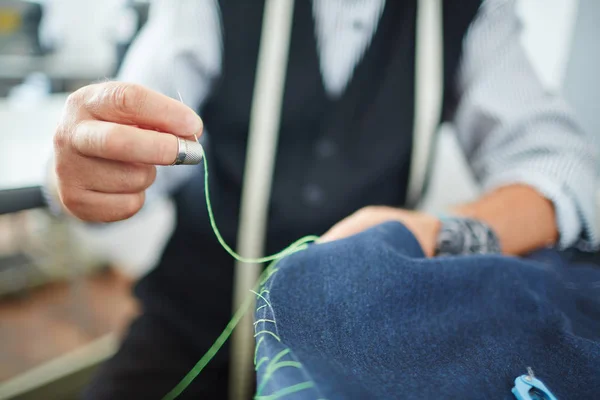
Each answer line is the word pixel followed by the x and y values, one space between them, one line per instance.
pixel 369 317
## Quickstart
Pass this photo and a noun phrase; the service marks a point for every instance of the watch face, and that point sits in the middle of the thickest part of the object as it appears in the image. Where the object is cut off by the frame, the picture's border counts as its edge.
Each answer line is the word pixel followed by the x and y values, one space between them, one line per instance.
pixel 466 236
pixel 451 239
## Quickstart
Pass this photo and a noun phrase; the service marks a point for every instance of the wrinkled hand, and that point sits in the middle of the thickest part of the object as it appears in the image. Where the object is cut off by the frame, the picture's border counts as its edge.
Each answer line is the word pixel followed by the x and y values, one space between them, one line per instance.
pixel 425 227
pixel 107 144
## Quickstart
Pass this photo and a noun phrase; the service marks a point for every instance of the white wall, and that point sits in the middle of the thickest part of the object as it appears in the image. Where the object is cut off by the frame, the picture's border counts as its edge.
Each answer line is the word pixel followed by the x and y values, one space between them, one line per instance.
pixel 83 34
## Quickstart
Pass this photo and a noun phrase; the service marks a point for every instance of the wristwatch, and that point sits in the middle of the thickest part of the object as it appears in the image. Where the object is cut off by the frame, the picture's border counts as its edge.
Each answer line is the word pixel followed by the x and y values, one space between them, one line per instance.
pixel 462 236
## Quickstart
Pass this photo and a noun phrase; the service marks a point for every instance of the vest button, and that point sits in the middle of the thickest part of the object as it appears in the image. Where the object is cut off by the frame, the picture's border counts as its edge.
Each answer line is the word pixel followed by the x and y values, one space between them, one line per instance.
pixel 313 194
pixel 325 148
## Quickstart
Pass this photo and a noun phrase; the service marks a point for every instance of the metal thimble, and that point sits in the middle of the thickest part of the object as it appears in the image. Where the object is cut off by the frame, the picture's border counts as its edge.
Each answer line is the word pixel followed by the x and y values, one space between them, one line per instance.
pixel 189 152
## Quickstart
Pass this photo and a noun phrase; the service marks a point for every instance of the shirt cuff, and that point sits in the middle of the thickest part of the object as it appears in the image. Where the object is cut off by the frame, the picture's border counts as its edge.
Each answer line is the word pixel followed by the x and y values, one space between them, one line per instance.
pixel 567 216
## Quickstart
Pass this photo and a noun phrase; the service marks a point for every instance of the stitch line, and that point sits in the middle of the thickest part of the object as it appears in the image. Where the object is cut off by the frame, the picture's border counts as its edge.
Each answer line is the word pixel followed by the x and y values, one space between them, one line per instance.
pixel 267 332
pixel 298 245
pixel 262 297
pixel 262 360
pixel 257 346
pixel 279 356
pixel 270 282
pixel 272 368
pixel 258 321
pixel 288 390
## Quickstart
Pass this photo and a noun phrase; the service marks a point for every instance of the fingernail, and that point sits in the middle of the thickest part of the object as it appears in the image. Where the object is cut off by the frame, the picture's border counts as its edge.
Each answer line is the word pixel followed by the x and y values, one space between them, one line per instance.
pixel 194 123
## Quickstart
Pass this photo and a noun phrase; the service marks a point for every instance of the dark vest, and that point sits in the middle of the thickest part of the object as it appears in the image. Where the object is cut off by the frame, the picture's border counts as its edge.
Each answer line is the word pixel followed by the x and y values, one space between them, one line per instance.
pixel 334 155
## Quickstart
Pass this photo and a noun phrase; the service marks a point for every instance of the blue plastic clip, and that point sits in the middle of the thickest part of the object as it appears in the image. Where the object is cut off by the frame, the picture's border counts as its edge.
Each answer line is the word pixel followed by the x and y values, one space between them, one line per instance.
pixel 528 387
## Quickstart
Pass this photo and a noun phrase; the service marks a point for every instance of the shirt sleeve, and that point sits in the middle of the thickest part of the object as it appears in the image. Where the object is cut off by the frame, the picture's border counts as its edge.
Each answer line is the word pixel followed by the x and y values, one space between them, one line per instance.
pixel 513 131
pixel 177 53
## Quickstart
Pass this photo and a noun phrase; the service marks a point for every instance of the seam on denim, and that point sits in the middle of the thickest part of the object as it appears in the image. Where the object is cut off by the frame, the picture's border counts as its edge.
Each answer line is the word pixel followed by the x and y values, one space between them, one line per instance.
pixel 268 283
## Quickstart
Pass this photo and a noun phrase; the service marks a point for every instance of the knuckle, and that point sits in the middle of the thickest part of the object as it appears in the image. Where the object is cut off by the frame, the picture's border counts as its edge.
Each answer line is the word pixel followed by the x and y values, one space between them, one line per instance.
pixel 71 117
pixel 71 199
pixel 92 97
pixel 88 139
pixel 69 173
pixel 60 139
pixel 75 100
pixel 120 96
pixel 76 104
pixel 62 169
pixel 126 98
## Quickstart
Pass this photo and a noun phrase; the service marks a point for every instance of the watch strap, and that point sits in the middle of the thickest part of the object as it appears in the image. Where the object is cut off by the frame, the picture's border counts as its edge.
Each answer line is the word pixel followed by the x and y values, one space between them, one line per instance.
pixel 461 236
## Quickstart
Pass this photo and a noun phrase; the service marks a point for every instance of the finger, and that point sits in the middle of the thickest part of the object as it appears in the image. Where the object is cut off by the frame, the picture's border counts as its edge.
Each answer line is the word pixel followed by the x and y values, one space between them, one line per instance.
pixel 342 229
pixel 136 105
pixel 101 207
pixel 329 236
pixel 125 143
pixel 107 176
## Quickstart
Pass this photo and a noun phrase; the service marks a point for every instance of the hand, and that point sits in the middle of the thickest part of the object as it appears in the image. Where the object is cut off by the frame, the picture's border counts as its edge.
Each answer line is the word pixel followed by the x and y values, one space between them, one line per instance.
pixel 425 227
pixel 107 144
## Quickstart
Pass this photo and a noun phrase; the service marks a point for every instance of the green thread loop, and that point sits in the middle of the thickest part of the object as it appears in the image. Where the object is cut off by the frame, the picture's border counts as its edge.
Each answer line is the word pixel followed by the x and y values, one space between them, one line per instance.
pixel 298 245
pixel 256 347
pixel 288 390
pixel 294 247
pixel 263 320
pixel 273 366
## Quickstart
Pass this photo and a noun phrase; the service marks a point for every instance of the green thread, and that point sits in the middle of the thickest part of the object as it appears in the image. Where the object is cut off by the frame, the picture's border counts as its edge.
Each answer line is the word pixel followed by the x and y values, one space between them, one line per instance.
pixel 274 366
pixel 271 370
pixel 261 296
pixel 258 321
pixel 277 256
pixel 187 380
pixel 268 333
pixel 298 245
pixel 288 390
pixel 279 356
pixel 256 347
pixel 262 360
pixel 271 272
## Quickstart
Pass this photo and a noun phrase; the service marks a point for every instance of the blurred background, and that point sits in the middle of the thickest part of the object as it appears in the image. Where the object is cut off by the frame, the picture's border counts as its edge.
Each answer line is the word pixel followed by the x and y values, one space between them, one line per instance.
pixel 65 287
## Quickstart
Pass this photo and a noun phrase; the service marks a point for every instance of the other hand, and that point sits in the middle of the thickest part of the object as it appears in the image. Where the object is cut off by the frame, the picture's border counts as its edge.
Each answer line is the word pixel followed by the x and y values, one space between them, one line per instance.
pixel 108 141
pixel 425 227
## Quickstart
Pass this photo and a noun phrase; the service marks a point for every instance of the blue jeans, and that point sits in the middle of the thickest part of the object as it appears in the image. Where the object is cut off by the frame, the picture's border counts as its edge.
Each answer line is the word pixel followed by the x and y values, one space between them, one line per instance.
pixel 369 317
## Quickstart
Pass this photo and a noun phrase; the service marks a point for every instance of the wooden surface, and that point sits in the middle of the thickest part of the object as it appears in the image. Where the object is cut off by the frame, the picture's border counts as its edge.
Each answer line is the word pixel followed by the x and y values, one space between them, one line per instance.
pixel 57 319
